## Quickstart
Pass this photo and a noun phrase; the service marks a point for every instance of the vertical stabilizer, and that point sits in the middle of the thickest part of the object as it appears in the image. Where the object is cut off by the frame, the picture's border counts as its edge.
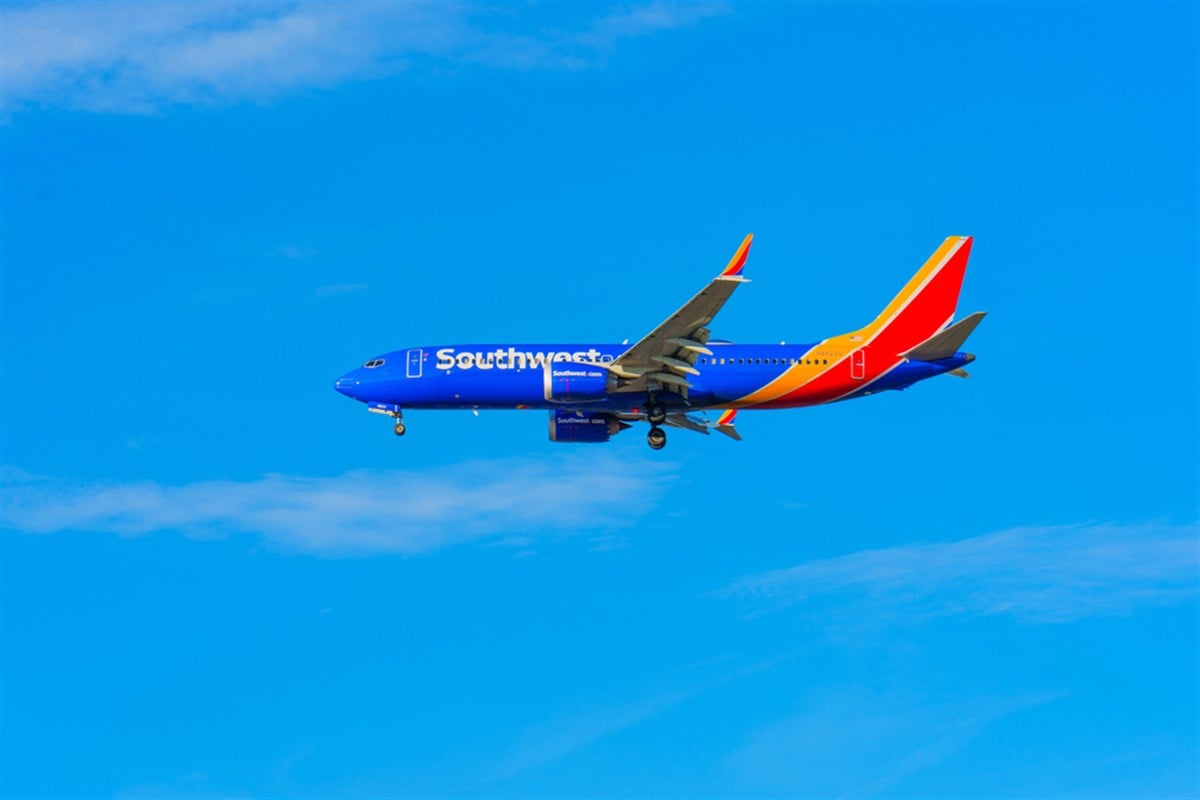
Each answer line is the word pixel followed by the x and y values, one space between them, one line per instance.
pixel 926 303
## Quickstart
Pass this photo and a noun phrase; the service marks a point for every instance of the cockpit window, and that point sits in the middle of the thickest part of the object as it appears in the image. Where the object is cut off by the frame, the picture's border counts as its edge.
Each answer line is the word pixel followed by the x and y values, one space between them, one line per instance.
pixel 373 363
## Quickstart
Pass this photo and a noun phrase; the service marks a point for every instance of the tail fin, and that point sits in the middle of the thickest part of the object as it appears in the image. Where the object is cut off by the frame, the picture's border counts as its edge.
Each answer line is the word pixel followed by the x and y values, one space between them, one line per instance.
pixel 947 342
pixel 926 303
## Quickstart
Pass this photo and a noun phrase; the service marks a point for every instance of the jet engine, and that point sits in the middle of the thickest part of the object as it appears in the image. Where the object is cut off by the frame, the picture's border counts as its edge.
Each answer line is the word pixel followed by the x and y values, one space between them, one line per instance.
pixel 583 426
pixel 574 382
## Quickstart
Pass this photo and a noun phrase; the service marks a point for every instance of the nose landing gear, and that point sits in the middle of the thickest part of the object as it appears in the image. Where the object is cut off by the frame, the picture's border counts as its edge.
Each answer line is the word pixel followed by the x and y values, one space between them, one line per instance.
pixel 391 410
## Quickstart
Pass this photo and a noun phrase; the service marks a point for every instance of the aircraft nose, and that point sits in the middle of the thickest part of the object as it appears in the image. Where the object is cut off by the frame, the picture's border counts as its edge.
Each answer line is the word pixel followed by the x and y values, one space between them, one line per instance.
pixel 347 384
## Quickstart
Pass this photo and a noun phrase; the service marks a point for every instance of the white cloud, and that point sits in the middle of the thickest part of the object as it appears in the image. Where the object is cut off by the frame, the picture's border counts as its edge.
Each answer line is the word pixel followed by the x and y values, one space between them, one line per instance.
pixel 640 19
pixel 580 726
pixel 854 742
pixel 295 252
pixel 1039 574
pixel 141 57
pixel 359 512
pixel 339 288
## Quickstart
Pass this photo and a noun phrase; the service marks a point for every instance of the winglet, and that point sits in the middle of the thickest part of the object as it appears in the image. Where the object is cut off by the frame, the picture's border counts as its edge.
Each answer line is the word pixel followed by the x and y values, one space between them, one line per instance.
pixel 738 262
pixel 724 424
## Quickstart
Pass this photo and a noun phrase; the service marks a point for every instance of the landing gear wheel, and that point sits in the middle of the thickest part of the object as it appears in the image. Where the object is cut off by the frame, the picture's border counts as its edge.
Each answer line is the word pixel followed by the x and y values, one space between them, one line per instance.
pixel 399 429
pixel 656 438
pixel 655 414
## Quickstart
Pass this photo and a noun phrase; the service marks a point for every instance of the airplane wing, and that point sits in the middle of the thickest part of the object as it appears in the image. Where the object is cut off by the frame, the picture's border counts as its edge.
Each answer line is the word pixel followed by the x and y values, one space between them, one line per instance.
pixel 666 356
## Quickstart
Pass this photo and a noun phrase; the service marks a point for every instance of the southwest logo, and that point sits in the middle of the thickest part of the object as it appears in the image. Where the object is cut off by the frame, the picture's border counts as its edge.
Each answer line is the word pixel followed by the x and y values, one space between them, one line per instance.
pixel 512 358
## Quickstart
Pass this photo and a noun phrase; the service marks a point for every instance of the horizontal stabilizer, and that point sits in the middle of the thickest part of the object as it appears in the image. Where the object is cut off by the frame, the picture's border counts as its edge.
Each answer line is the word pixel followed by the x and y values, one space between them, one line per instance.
pixel 945 343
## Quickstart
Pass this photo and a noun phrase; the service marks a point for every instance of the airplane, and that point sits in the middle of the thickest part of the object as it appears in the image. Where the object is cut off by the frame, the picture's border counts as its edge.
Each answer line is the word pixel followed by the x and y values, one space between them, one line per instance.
pixel 595 391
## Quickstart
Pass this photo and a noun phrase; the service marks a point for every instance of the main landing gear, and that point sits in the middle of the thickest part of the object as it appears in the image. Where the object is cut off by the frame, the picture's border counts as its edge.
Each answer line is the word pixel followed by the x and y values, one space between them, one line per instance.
pixel 656 438
pixel 656 415
pixel 399 428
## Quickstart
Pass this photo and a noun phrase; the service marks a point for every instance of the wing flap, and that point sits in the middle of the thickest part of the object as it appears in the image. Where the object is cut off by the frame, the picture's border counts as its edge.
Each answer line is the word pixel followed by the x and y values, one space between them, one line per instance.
pixel 669 352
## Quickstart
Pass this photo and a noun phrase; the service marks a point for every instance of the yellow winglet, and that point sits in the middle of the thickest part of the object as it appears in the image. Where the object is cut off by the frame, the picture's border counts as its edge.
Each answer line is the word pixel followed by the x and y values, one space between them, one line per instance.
pixel 738 262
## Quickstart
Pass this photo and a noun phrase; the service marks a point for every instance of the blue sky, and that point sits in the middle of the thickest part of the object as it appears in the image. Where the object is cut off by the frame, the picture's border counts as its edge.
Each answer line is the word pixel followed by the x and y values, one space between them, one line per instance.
pixel 223 579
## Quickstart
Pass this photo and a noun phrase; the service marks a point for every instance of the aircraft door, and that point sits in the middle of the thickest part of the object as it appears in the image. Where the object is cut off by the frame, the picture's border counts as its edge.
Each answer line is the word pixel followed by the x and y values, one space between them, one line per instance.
pixel 858 364
pixel 415 359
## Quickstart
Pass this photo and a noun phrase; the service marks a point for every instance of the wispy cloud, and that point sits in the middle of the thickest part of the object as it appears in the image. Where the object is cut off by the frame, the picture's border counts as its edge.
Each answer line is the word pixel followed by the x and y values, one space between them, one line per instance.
pixel 295 252
pixel 578 728
pixel 356 513
pixel 338 288
pixel 853 742
pixel 1039 574
pixel 141 57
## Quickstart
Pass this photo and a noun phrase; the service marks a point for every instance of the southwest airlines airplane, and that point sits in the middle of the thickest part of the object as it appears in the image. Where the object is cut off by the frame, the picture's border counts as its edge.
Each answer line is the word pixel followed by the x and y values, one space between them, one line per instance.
pixel 594 391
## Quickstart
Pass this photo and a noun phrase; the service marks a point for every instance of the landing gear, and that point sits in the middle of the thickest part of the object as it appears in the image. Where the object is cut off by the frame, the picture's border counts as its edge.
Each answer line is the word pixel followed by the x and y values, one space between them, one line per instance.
pixel 656 438
pixel 392 411
pixel 655 414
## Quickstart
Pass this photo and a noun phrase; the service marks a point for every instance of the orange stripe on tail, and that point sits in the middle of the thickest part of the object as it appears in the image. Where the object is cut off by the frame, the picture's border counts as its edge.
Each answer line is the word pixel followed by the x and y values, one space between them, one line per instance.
pixel 738 262
pixel 922 308
pixel 926 303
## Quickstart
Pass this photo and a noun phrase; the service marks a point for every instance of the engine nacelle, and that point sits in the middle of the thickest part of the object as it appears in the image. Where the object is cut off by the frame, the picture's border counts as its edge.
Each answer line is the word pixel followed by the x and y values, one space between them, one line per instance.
pixel 574 382
pixel 582 426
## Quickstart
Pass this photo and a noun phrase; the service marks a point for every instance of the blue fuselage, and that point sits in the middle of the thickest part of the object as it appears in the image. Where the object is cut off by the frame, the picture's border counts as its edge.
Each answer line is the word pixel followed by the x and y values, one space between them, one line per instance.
pixel 516 376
